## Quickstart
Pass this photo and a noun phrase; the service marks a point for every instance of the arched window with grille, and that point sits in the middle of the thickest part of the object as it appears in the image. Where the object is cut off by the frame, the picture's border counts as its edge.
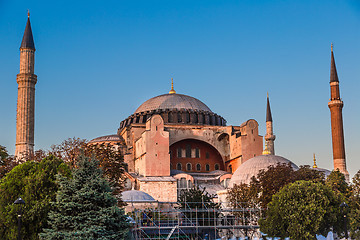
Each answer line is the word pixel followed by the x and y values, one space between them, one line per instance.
pixel 217 167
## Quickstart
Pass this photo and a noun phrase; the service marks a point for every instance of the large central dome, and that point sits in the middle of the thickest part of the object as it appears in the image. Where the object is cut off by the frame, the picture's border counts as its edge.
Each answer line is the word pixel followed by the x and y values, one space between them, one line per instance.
pixel 175 109
pixel 171 102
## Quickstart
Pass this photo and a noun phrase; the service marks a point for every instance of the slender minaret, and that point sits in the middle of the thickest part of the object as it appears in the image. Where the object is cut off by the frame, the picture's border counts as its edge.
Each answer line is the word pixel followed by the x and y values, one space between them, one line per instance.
pixel 336 104
pixel 269 137
pixel 26 80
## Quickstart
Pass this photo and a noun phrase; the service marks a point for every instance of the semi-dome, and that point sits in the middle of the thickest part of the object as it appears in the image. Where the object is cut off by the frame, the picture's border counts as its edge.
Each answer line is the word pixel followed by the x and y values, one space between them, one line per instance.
pixel 136 196
pixel 252 167
pixel 172 101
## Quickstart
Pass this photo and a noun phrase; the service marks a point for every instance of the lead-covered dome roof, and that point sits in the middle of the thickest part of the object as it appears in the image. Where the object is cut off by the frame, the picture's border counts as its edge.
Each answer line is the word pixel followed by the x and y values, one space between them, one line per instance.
pixel 172 101
pixel 136 196
pixel 174 109
pixel 252 167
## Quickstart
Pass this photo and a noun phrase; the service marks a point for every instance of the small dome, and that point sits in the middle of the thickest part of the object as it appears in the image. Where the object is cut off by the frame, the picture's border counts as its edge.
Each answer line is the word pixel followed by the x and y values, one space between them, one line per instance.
pixel 252 167
pixel 325 171
pixel 136 196
pixel 172 101
pixel 107 138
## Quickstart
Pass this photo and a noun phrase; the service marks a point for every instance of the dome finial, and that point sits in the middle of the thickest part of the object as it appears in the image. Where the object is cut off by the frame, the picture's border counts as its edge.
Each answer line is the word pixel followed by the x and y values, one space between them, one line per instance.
pixel 332 46
pixel 266 150
pixel 314 166
pixel 172 91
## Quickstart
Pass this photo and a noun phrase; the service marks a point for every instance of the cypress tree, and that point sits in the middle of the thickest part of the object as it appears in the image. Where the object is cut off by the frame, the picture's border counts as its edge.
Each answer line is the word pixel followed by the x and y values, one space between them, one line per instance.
pixel 85 207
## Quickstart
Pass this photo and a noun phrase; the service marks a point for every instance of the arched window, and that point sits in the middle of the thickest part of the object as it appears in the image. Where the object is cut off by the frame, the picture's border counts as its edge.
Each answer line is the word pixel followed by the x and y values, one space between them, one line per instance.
pixel 197 152
pixel 187 115
pixel 170 117
pixel 179 151
pixel 190 184
pixel 182 183
pixel 178 166
pixel 188 151
pixel 207 167
pixel 179 117
pixel 198 167
pixel 188 167
pixel 217 166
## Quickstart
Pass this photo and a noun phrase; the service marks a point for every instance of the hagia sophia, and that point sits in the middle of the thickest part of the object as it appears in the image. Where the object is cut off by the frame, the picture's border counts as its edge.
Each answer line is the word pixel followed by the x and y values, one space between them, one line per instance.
pixel 174 141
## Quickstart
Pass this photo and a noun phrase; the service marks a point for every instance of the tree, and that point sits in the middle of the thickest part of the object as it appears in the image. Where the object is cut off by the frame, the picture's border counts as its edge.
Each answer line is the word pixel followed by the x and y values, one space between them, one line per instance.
pixel 354 205
pixel 35 183
pixel 301 210
pixel 244 199
pixel 3 154
pixel 198 203
pixel 85 207
pixel 336 180
pixel 271 180
pixel 109 157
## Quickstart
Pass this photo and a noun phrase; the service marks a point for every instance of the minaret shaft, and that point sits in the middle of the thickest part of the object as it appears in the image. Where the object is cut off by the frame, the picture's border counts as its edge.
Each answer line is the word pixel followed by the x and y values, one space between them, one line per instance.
pixel 25 112
pixel 335 105
pixel 269 136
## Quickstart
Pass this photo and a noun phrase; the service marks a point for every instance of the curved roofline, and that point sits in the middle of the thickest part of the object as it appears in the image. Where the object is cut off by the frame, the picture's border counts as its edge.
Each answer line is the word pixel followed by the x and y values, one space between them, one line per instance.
pixel 139 109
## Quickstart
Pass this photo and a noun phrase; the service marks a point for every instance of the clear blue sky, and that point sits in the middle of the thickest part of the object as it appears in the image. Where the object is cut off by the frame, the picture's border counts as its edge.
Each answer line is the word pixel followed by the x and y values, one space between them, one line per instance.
pixel 97 61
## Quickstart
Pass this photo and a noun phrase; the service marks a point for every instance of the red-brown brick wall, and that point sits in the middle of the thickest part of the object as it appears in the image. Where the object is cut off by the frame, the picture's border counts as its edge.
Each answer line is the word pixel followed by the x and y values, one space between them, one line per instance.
pixel 214 156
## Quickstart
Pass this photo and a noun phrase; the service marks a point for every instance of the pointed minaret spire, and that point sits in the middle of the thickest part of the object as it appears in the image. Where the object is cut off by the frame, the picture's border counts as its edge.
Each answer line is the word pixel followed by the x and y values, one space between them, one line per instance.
pixel 269 137
pixel 268 110
pixel 28 40
pixel 333 72
pixel 172 91
pixel 25 112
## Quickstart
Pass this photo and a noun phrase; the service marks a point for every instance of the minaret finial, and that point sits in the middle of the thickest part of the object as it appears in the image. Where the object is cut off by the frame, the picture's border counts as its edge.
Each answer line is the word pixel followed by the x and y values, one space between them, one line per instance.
pixel 172 91
pixel 314 166
pixel 332 46
pixel 28 13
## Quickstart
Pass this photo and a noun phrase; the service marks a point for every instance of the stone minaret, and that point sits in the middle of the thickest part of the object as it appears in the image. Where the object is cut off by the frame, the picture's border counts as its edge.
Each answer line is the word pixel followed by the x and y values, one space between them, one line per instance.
pixel 336 104
pixel 26 80
pixel 269 137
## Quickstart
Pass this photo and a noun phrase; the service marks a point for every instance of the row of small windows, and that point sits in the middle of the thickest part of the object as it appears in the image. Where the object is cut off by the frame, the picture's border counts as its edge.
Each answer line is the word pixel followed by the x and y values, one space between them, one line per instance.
pixel 198 167
pixel 189 152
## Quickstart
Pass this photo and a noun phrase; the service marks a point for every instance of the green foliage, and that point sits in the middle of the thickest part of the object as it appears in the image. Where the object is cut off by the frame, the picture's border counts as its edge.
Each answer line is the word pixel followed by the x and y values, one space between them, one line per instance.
pixel 35 183
pixel 85 207
pixel 354 204
pixel 336 180
pixel 241 197
pixel 301 210
pixel 110 159
pixel 3 154
pixel 195 199
pixel 269 181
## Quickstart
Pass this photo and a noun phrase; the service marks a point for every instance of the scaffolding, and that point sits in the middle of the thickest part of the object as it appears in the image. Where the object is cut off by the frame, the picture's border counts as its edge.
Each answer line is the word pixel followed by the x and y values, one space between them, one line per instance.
pixel 188 220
